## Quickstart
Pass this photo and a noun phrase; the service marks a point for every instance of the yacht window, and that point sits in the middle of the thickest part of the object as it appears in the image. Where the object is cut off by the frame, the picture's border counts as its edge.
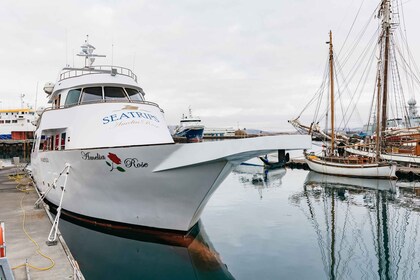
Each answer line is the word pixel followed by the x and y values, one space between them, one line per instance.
pixel 114 93
pixel 134 94
pixel 91 94
pixel 72 97
pixel 7 121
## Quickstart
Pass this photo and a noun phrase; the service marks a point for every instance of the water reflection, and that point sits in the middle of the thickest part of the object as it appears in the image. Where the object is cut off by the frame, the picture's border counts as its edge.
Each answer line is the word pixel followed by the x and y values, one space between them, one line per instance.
pixel 137 254
pixel 259 178
pixel 363 229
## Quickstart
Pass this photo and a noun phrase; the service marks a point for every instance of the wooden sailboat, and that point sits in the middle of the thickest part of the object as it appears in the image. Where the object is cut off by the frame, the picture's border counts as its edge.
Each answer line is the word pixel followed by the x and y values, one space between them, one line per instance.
pixel 397 78
pixel 333 162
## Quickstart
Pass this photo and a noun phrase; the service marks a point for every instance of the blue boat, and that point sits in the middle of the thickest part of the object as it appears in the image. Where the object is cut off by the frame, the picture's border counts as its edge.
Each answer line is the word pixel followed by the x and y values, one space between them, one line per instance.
pixel 190 128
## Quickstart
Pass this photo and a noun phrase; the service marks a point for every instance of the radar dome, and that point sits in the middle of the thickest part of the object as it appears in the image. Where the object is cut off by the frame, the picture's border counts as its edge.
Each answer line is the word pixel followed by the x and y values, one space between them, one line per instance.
pixel 412 101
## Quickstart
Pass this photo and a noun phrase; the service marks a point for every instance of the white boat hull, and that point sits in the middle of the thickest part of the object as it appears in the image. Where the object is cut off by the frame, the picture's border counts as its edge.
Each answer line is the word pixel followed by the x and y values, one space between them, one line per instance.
pixel 159 186
pixel 346 182
pixel 353 170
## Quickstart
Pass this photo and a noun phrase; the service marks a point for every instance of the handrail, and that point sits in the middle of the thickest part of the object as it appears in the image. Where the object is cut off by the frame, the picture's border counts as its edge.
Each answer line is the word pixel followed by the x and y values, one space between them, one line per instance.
pixel 105 101
pixel 98 69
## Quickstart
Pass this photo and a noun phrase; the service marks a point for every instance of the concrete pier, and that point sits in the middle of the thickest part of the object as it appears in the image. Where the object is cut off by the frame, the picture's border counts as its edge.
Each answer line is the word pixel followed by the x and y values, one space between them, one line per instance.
pixel 27 230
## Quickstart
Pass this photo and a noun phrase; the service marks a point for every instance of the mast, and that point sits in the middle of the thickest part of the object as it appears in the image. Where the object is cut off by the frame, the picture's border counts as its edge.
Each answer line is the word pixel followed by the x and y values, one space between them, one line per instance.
pixel 386 26
pixel 331 60
pixel 378 131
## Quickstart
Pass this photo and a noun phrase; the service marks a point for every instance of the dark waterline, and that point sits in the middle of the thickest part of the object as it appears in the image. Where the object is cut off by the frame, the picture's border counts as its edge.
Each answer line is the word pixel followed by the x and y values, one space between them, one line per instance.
pixel 285 224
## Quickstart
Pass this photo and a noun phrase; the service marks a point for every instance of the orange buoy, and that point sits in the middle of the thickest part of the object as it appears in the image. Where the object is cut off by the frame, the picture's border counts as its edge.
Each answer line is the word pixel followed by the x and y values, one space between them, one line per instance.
pixel 2 251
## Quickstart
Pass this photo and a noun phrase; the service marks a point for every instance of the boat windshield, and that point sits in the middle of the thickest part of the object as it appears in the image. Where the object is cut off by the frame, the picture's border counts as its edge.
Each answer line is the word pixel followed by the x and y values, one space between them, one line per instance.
pixel 91 94
pixel 134 94
pixel 115 93
pixel 101 94
pixel 73 97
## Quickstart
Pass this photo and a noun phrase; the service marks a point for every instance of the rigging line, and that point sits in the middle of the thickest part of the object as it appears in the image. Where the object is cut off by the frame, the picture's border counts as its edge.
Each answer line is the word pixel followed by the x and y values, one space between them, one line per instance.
pixel 326 220
pixel 359 38
pixel 408 79
pixel 368 64
pixel 394 77
pixel 363 83
pixel 342 241
pixel 400 89
pixel 411 71
pixel 339 68
pixel 359 239
pixel 320 89
pixel 402 242
pixel 321 94
pixel 355 67
pixel 405 38
pixel 415 227
pixel 358 62
pixel 372 230
pixel 351 27
pixel 316 226
pixel 325 86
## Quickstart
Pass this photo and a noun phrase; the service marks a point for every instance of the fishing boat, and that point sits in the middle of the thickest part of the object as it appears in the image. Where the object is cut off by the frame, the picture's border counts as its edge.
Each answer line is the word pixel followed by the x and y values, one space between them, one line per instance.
pixel 190 128
pixel 105 153
pixel 333 160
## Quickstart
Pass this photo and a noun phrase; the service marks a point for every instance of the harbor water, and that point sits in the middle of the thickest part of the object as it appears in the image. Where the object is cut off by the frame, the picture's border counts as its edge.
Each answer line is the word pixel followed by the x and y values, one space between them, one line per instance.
pixel 281 224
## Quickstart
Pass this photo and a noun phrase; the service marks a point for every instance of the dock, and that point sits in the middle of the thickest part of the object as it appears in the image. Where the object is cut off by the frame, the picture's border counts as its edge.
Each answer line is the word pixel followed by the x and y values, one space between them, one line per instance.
pixel 27 229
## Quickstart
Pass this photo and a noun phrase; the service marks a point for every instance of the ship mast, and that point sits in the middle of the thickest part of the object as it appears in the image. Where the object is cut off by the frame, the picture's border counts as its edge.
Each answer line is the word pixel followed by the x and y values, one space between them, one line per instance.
pixel 386 26
pixel 331 60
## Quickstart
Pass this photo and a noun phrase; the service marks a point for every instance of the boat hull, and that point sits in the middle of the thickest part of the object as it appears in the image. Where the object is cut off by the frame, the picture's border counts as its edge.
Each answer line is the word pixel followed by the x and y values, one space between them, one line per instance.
pixel 350 183
pixel 160 186
pixel 168 199
pixel 191 134
pixel 386 171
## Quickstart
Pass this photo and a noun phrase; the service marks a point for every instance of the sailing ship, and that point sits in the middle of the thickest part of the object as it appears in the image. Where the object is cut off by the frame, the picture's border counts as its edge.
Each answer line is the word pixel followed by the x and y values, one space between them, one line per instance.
pixel 396 77
pixel 105 153
pixel 190 128
pixel 334 162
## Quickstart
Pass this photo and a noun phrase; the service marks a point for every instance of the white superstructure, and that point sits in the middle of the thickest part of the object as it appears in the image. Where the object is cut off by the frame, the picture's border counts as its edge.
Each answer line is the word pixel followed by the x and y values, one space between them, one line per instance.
pixel 16 120
pixel 122 163
pixel 219 131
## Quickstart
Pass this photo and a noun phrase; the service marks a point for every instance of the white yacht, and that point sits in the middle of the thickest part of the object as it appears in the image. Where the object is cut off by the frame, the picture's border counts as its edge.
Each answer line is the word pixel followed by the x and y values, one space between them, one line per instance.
pixel 105 153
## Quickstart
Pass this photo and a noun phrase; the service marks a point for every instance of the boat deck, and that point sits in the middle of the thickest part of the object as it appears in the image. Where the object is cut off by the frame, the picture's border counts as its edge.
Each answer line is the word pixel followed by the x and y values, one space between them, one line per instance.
pixel 16 206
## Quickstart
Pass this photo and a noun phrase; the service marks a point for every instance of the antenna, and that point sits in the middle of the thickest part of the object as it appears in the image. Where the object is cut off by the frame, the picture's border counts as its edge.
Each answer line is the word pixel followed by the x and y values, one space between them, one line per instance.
pixel 87 51
pixel 36 94
pixel 112 54
pixel 67 43
pixel 22 102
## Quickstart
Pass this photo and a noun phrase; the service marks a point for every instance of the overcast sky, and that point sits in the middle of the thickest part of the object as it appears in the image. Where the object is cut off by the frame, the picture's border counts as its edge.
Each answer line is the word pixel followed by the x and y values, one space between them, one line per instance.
pixel 249 63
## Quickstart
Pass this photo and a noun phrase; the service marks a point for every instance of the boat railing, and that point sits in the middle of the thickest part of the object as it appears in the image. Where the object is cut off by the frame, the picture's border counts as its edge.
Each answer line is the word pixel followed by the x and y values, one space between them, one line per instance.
pixel 97 69
pixel 104 101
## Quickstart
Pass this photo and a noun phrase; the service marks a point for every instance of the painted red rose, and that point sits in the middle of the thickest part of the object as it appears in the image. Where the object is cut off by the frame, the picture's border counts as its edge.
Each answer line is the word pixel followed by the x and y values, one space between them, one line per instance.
pixel 114 158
